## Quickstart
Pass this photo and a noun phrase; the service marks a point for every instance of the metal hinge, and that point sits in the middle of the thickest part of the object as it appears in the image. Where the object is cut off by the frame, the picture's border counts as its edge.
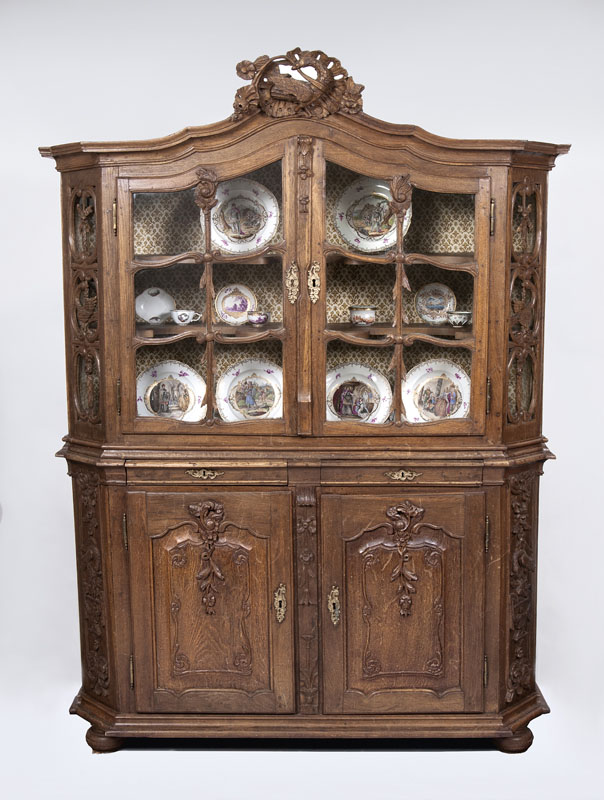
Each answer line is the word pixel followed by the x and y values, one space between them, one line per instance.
pixel 115 217
pixel 492 218
pixel 125 530
pixel 485 671
pixel 118 396
pixel 488 399
pixel 131 671
pixel 487 533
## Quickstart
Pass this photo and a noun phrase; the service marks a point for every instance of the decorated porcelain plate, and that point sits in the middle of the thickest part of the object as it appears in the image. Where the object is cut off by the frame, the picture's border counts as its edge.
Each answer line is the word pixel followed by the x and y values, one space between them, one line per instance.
pixel 363 217
pixel 250 390
pixel 355 392
pixel 433 301
pixel 434 390
pixel 233 302
pixel 171 390
pixel 245 217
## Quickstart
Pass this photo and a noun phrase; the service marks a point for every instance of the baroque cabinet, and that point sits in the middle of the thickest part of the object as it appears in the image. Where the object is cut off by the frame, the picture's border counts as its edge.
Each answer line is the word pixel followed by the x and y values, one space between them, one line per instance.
pixel 304 371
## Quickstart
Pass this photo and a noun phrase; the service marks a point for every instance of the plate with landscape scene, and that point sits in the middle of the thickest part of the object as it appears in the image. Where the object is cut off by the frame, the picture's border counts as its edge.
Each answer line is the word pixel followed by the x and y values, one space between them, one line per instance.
pixel 435 390
pixel 171 390
pixel 357 393
pixel 363 217
pixel 233 302
pixel 245 218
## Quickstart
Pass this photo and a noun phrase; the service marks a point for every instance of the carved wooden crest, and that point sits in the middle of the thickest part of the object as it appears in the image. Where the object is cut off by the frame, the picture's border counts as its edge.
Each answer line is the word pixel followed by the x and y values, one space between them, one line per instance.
pixel 328 90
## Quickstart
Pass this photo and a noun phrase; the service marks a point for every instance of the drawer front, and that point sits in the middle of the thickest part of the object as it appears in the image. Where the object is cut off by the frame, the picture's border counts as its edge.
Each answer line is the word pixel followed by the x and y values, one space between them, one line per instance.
pixel 208 472
pixel 398 473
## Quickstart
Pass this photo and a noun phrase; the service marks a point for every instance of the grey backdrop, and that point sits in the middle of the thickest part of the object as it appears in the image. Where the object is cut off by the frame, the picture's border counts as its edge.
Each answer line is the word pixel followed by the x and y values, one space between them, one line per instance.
pixel 126 70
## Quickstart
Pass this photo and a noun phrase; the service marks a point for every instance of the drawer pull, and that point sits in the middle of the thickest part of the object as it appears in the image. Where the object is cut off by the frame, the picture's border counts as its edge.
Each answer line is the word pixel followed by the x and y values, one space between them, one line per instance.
pixel 333 604
pixel 280 603
pixel 204 474
pixel 403 475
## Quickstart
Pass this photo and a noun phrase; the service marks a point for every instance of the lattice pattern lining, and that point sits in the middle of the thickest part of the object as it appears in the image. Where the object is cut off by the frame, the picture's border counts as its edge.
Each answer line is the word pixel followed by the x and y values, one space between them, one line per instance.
pixel 419 352
pixel 376 358
pixel 188 351
pixel 349 285
pixel 168 223
pixel 462 284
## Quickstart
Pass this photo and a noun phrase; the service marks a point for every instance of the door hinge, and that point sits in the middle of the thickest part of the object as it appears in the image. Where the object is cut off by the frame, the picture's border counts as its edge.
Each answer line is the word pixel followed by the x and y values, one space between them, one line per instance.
pixel 488 399
pixel 487 533
pixel 115 217
pixel 492 218
pixel 118 396
pixel 485 671
pixel 131 671
pixel 125 530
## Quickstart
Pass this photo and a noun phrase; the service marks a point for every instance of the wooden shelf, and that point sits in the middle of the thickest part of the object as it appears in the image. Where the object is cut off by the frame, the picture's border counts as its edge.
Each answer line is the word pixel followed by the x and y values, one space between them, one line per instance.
pixel 381 329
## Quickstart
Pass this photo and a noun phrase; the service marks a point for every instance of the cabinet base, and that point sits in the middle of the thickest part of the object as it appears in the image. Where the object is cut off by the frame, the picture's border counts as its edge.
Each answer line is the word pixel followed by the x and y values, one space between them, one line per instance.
pixel 508 728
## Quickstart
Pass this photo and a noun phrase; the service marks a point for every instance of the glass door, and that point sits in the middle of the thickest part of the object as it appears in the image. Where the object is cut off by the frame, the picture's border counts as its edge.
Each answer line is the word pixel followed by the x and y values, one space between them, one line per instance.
pixel 401 326
pixel 210 340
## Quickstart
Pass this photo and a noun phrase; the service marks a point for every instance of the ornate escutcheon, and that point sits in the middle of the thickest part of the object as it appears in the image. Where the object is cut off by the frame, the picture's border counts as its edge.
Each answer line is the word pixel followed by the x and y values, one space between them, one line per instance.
pixel 204 474
pixel 333 604
pixel 280 603
pixel 292 282
pixel 403 475
pixel 314 282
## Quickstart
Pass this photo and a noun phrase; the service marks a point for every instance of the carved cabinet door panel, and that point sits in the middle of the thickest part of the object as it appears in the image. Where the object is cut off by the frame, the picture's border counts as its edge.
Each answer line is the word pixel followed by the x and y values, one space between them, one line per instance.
pixel 403 591
pixel 211 577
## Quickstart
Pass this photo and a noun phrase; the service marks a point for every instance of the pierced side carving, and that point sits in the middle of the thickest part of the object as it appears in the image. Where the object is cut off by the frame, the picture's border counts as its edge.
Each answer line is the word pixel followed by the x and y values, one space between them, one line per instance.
pixel 96 661
pixel 307 598
pixel 281 95
pixel 524 356
pixel 292 282
pixel 84 305
pixel 205 191
pixel 83 221
pixel 86 376
pixel 520 679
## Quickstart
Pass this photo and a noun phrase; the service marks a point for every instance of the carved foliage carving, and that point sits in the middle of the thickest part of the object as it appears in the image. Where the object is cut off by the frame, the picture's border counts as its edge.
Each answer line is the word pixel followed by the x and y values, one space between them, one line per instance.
pixel 276 94
pixel 525 303
pixel 522 566
pixel 307 593
pixel 83 225
pixel 96 662
pixel 205 191
pixel 305 147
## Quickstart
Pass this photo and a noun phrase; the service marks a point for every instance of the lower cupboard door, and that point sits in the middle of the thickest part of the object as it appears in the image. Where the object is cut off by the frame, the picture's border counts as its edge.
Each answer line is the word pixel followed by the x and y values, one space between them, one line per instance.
pixel 402 596
pixel 211 584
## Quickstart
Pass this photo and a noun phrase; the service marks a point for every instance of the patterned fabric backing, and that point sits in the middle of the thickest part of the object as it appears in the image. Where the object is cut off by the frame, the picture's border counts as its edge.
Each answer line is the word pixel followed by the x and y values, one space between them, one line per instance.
pixel 265 281
pixel 522 403
pixel 419 352
pixel 376 358
pixel 227 355
pixel 167 223
pixel 181 281
pixel 188 351
pixel 441 223
pixel 349 285
pixel 461 283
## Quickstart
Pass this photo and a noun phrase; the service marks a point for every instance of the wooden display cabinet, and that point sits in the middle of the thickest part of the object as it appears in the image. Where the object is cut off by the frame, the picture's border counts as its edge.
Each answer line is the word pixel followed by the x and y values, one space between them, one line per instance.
pixel 342 541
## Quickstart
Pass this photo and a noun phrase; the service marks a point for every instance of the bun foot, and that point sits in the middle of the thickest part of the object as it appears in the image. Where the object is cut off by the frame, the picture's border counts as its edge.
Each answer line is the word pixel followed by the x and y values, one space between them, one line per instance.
pixel 101 743
pixel 518 743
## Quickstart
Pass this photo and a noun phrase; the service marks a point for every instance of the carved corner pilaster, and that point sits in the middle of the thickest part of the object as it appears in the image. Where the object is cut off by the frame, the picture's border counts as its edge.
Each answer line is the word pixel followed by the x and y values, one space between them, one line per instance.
pixel 307 593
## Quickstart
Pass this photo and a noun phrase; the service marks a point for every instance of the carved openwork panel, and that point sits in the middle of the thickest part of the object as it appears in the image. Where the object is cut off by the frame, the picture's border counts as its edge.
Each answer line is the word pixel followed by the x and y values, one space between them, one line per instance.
pixel 526 299
pixel 91 581
pixel 323 86
pixel 405 588
pixel 86 367
pixel 82 231
pixel 520 677
pixel 85 305
pixel 215 563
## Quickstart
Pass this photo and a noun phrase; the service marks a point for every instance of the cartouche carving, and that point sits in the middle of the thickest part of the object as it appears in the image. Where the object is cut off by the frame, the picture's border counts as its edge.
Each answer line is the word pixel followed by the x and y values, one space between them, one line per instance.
pixel 522 565
pixel 281 95
pixel 96 662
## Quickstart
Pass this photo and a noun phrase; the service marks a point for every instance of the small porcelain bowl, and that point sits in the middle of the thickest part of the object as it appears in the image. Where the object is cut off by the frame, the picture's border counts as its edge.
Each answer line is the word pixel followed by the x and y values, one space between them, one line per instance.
pixel 362 315
pixel 459 318
pixel 258 317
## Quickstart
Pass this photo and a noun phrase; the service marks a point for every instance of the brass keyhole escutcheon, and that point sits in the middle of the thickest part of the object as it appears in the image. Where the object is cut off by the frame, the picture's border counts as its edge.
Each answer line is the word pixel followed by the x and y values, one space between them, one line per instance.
pixel 279 602
pixel 333 604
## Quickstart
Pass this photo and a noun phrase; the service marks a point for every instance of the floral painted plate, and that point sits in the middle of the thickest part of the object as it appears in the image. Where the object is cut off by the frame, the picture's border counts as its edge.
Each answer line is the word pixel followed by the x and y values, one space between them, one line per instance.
pixel 245 217
pixel 358 393
pixel 233 302
pixel 171 390
pixel 433 301
pixel 435 390
pixel 250 390
pixel 363 218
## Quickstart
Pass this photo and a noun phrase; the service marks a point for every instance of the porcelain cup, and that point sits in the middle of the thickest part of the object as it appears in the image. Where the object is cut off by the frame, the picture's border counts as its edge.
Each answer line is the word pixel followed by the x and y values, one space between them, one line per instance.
pixel 182 316
pixel 362 316
pixel 258 317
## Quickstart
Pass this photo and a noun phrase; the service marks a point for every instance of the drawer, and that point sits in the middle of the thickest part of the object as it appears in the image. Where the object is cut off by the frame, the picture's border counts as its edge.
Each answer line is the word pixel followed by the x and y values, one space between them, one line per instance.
pixel 401 473
pixel 207 472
